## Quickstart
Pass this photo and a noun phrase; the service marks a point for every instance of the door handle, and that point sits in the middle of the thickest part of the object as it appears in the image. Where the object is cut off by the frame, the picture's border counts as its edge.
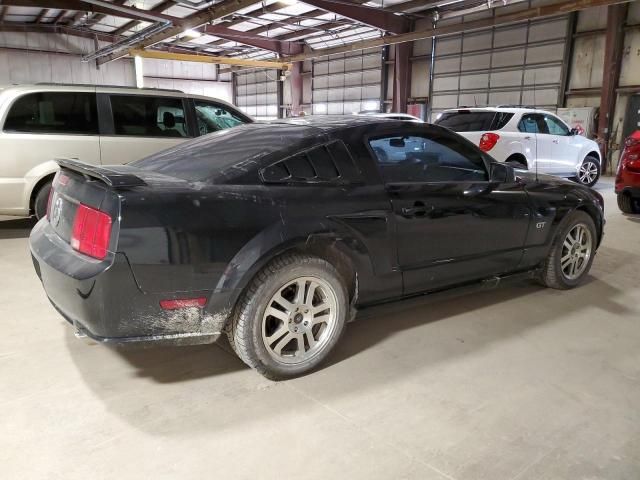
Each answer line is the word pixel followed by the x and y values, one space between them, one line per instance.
pixel 555 141
pixel 418 210
pixel 527 137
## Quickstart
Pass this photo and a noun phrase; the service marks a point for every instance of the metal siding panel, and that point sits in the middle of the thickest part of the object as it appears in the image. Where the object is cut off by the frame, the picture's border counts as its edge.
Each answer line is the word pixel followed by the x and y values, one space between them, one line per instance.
pixel 480 80
pixel 510 36
pixel 476 41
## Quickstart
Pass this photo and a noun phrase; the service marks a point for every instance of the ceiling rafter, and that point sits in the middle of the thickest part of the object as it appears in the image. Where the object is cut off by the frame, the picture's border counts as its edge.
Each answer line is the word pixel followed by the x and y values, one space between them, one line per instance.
pixel 195 20
pixel 43 13
pixel 160 8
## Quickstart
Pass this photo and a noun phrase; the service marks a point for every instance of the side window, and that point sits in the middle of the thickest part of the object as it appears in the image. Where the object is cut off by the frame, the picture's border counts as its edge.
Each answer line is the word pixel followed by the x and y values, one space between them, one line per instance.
pixel 555 126
pixel 54 112
pixel 500 120
pixel 144 116
pixel 325 163
pixel 528 124
pixel 439 158
pixel 212 117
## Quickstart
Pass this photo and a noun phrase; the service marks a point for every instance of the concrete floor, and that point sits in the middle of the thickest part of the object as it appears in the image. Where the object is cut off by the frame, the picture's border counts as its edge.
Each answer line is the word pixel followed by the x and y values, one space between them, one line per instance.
pixel 516 383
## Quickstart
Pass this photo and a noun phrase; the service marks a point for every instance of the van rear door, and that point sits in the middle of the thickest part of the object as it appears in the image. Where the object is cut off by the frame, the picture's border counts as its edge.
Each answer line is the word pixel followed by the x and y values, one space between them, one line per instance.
pixel 136 126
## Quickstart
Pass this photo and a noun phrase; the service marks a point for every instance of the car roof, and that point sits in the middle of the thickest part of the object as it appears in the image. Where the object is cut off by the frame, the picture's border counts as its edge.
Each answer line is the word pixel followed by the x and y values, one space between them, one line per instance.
pixel 388 115
pixel 12 91
pixel 335 122
pixel 499 109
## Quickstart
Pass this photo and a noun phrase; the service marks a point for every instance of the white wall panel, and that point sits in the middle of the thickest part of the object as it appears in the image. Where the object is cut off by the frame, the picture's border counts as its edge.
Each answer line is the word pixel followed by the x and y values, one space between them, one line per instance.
pixel 343 84
pixel 517 64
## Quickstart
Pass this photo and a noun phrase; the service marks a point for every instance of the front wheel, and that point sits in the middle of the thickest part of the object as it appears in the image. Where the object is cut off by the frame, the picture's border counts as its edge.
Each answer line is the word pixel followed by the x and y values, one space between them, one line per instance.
pixel 571 254
pixel 589 171
pixel 291 316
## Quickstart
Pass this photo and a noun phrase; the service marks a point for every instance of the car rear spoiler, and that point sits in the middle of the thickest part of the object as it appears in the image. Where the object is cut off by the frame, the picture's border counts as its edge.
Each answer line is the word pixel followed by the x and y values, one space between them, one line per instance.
pixel 111 177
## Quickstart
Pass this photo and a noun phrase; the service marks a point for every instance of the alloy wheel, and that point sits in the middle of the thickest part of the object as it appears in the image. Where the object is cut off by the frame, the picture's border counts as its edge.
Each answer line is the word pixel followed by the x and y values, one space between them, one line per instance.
pixel 588 172
pixel 576 251
pixel 299 320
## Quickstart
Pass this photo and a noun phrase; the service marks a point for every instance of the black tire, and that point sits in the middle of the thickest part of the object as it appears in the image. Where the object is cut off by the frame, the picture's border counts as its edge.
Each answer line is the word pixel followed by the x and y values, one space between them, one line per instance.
pixel 589 164
pixel 552 274
pixel 41 199
pixel 245 331
pixel 627 204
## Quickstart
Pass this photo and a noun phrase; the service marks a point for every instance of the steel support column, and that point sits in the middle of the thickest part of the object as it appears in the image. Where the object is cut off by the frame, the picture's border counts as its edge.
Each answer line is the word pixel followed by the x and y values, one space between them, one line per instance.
pixel 614 41
pixel 296 89
pixel 401 78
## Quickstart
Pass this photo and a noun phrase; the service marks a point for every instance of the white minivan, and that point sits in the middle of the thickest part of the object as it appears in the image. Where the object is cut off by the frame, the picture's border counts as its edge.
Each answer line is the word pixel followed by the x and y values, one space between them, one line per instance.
pixel 94 124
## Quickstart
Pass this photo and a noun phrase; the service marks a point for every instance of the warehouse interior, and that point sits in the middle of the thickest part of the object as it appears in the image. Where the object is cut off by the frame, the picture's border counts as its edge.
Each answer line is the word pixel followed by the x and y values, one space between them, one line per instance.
pixel 517 382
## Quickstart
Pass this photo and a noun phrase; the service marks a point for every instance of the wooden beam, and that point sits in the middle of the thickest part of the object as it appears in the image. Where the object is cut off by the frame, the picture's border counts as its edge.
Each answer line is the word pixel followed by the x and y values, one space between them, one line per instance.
pixel 522 15
pixel 181 57
pixel 219 10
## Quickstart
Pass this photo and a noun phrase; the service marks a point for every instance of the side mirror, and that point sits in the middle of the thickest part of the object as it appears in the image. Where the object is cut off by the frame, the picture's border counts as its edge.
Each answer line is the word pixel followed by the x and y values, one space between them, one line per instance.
pixel 574 131
pixel 397 142
pixel 502 173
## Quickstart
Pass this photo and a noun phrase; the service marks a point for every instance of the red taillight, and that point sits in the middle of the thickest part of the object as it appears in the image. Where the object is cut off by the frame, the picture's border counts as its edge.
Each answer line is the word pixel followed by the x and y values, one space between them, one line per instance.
pixel 91 232
pixel 49 203
pixel 633 165
pixel 183 303
pixel 488 141
pixel 631 153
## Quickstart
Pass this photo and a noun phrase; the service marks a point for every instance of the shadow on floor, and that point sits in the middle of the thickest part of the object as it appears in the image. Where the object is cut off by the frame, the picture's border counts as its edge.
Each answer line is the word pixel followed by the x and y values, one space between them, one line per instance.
pixel 16 227
pixel 510 316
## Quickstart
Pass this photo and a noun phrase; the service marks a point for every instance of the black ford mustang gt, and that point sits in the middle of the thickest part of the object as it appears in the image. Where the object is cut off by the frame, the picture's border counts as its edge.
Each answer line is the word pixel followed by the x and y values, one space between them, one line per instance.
pixel 275 233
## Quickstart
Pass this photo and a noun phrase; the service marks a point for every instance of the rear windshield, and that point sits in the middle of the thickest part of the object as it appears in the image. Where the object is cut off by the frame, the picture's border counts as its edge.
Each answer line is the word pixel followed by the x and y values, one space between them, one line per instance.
pixel 470 121
pixel 224 155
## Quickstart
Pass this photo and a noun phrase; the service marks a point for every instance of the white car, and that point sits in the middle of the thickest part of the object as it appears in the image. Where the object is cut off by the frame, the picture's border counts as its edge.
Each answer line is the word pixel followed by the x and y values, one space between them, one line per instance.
pixel 528 138
pixel 97 125
pixel 392 116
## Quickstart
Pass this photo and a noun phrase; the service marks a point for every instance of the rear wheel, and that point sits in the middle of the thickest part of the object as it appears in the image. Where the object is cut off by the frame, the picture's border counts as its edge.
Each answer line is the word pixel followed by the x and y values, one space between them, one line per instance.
pixel 517 161
pixel 589 171
pixel 41 200
pixel 627 204
pixel 571 253
pixel 291 316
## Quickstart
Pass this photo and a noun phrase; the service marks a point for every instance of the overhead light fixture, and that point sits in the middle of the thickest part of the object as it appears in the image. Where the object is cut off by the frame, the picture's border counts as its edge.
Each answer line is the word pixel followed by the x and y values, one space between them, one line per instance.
pixel 190 33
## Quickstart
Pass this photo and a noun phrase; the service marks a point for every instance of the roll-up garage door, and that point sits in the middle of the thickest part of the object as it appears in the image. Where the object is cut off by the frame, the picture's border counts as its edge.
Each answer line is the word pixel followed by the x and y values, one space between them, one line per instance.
pixel 347 83
pixel 519 64
pixel 257 93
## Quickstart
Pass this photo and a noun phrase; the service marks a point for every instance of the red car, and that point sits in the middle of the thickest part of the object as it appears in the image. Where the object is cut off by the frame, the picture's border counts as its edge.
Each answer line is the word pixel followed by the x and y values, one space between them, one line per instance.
pixel 628 175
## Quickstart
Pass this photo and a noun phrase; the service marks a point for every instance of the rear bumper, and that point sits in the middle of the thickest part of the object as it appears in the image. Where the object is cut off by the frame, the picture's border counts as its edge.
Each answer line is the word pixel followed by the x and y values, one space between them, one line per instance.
pixel 103 301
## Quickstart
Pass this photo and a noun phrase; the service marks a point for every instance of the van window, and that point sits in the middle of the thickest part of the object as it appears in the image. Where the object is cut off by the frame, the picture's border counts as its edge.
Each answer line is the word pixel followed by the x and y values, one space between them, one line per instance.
pixel 212 117
pixel 144 116
pixel 54 112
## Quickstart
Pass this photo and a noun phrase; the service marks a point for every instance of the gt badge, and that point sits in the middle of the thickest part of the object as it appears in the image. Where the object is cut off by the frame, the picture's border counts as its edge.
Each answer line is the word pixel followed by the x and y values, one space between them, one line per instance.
pixel 540 225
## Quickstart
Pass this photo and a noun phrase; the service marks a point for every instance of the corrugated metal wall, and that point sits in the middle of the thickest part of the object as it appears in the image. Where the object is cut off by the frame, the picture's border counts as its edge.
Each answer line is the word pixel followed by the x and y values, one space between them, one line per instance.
pixel 257 93
pixel 36 57
pixel 347 83
pixel 517 64
pixel 190 77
